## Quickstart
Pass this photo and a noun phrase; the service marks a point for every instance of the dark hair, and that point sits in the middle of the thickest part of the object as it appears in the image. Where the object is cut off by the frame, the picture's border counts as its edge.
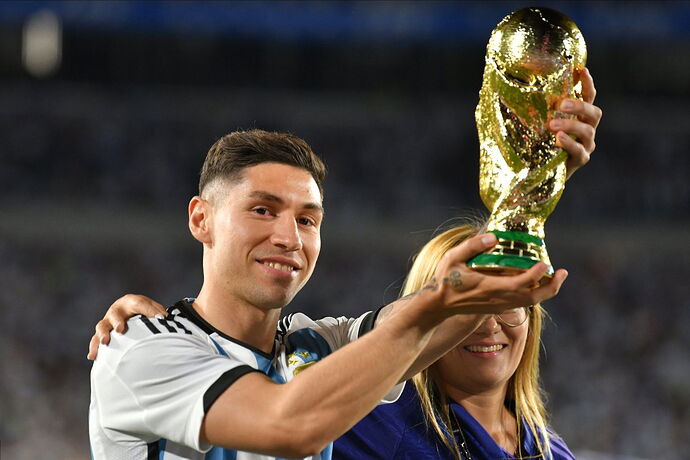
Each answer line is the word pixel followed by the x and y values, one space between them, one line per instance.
pixel 228 157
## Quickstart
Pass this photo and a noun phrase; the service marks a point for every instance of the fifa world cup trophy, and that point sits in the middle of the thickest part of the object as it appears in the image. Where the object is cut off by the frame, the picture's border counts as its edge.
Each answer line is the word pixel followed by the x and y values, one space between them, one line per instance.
pixel 532 60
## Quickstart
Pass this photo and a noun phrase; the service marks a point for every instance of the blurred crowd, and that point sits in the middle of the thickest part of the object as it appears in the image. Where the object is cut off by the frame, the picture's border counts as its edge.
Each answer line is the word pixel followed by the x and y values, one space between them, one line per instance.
pixel 615 358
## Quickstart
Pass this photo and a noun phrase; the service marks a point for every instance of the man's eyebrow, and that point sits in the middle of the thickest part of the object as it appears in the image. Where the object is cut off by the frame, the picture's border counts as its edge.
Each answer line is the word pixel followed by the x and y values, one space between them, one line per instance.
pixel 267 196
pixel 314 207
pixel 260 194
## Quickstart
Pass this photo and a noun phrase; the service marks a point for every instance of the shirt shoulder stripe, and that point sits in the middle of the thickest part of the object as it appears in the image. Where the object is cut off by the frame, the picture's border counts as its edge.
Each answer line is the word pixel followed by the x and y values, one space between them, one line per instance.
pixel 179 325
pixel 166 325
pixel 149 325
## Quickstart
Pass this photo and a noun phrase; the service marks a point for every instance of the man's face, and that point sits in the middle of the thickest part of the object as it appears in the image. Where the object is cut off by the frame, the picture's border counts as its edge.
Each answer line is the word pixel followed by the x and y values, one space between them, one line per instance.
pixel 265 231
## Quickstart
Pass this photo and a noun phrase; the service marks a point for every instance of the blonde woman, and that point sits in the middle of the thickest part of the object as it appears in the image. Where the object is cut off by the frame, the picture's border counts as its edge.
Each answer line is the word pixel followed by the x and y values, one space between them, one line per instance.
pixel 481 400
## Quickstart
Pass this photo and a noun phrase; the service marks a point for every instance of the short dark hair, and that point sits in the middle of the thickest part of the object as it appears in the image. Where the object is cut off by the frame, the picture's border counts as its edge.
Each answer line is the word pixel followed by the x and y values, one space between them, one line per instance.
pixel 233 152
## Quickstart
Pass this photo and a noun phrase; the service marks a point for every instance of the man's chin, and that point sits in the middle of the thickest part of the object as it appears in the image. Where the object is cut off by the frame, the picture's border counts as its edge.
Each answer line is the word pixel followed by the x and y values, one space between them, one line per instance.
pixel 273 302
pixel 270 296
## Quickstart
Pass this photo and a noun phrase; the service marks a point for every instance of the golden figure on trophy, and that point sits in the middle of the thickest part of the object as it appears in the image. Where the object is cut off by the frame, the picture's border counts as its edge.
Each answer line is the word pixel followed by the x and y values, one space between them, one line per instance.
pixel 532 61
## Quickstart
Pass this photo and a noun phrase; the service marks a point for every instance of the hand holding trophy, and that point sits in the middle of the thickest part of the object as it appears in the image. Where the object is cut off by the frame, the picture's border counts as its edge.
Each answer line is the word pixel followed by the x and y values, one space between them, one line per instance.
pixel 532 59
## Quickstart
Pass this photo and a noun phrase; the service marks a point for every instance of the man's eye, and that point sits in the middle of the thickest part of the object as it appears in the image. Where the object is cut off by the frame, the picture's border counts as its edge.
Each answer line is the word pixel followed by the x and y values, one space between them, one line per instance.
pixel 261 211
pixel 305 221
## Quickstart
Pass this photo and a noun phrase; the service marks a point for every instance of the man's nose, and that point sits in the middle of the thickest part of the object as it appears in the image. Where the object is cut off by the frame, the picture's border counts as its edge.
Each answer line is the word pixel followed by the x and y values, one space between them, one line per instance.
pixel 286 233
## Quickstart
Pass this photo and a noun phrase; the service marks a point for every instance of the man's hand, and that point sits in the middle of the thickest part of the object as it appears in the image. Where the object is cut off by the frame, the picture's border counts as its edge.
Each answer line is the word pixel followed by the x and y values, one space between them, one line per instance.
pixel 461 289
pixel 117 315
pixel 584 127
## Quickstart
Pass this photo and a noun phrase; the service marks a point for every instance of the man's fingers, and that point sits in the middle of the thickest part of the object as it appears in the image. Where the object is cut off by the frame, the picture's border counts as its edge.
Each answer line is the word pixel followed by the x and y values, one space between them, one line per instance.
pixel 153 309
pixel 133 304
pixel 530 278
pixel 550 288
pixel 577 154
pixel 530 292
pixel 589 92
pixel 528 288
pixel 117 315
pixel 575 161
pixel 101 336
pixel 93 347
pixel 127 306
pixel 583 128
pixel 471 247
pixel 585 112
pixel 103 328
pixel 114 319
pixel 584 132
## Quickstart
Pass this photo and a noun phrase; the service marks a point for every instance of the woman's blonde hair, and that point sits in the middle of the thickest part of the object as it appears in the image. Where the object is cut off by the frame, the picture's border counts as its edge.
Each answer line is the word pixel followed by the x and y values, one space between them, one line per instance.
pixel 523 386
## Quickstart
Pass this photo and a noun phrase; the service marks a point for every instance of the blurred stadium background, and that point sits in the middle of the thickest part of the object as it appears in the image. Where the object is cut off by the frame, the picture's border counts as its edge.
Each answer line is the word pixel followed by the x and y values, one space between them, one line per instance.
pixel 107 110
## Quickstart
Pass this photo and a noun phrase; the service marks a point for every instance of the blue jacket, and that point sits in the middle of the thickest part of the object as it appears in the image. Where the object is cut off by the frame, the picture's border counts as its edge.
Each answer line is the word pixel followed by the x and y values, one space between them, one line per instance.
pixel 399 431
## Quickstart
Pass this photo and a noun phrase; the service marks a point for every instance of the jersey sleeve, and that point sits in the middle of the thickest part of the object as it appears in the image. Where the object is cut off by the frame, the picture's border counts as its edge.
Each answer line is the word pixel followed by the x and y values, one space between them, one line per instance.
pixel 160 386
pixel 340 331
pixel 311 340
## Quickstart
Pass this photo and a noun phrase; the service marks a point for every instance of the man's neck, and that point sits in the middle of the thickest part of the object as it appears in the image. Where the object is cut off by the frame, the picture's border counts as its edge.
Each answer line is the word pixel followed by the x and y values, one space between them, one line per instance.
pixel 240 320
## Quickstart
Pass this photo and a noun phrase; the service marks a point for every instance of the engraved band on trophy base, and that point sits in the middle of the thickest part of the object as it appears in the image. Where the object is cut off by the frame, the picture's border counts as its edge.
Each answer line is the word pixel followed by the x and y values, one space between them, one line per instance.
pixel 514 253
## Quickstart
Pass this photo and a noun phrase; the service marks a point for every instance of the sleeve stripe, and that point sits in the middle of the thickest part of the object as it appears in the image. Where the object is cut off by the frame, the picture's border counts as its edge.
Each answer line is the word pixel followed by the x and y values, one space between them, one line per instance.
pixel 223 382
pixel 150 325
pixel 368 322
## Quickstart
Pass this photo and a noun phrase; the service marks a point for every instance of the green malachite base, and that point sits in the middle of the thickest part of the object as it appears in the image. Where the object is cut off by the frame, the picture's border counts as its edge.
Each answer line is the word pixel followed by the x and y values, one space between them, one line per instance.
pixel 515 252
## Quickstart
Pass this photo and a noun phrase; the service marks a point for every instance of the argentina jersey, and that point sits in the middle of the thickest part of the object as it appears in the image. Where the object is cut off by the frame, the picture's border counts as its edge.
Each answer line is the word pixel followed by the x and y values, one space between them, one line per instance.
pixel 152 386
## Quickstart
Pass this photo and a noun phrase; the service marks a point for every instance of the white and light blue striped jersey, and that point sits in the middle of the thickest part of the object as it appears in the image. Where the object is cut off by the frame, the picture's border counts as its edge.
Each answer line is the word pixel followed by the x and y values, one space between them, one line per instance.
pixel 151 387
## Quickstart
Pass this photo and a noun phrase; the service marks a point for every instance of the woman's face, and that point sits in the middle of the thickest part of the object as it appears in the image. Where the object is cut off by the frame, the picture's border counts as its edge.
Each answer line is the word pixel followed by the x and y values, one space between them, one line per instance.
pixel 483 362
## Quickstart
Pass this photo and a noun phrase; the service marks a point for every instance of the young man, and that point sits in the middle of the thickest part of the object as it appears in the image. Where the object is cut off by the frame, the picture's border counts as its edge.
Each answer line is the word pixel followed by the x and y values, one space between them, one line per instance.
pixel 222 377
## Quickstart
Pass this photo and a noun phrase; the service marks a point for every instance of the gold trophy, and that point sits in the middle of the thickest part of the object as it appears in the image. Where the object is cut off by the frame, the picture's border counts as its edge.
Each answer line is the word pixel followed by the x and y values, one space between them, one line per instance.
pixel 532 60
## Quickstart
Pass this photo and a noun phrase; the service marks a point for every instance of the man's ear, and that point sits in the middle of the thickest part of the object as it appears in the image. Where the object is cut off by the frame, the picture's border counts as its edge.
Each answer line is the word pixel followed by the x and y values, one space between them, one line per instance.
pixel 200 220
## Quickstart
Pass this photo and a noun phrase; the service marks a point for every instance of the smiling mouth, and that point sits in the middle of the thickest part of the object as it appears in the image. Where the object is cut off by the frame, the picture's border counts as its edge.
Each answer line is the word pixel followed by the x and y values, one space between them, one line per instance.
pixel 279 266
pixel 484 349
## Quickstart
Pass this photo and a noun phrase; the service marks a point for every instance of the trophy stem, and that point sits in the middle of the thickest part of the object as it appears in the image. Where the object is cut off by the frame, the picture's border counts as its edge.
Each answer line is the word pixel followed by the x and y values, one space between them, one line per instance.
pixel 514 253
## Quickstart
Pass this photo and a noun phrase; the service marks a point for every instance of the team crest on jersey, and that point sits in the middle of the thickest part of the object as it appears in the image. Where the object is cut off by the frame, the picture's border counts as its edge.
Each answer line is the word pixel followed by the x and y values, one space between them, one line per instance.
pixel 300 359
